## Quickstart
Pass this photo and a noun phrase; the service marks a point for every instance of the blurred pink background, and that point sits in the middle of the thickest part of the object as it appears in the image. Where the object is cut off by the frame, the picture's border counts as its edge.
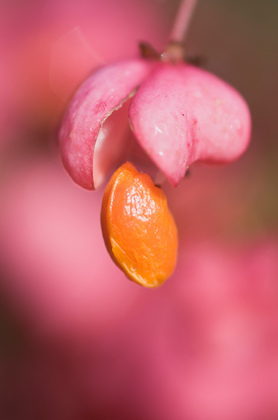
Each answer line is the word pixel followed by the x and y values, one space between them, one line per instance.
pixel 80 341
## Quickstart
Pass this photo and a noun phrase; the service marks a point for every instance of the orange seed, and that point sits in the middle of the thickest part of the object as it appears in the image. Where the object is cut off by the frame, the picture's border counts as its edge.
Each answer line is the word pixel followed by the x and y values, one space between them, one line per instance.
pixel 138 229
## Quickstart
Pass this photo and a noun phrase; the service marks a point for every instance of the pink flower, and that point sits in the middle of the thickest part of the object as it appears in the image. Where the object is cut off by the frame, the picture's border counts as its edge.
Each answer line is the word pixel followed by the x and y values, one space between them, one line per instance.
pixel 178 113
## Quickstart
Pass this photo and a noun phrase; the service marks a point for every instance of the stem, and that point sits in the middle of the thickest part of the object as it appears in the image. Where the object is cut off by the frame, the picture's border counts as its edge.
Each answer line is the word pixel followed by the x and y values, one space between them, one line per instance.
pixel 182 20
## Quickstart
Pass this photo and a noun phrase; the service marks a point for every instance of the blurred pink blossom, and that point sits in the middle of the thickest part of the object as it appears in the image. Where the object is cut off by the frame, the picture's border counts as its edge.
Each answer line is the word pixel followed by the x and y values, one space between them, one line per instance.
pixel 206 342
pixel 37 37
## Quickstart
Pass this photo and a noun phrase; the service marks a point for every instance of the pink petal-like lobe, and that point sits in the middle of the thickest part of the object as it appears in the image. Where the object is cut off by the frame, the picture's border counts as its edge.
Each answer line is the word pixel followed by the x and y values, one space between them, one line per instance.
pixel 102 93
pixel 182 114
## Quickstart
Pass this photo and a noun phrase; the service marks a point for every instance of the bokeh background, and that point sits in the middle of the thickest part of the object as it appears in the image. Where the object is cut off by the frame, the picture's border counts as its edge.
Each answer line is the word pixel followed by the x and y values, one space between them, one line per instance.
pixel 78 340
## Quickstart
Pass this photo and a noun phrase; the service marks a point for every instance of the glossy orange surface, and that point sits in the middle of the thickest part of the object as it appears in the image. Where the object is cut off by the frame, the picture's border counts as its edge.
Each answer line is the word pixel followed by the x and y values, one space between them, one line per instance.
pixel 138 229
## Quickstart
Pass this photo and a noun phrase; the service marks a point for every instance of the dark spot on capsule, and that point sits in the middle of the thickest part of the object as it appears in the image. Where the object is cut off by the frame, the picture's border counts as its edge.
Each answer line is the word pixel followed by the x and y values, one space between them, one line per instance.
pixel 188 173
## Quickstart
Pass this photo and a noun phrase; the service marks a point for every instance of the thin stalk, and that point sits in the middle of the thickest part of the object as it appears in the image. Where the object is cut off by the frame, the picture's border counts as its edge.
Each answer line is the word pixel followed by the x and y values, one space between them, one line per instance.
pixel 182 20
